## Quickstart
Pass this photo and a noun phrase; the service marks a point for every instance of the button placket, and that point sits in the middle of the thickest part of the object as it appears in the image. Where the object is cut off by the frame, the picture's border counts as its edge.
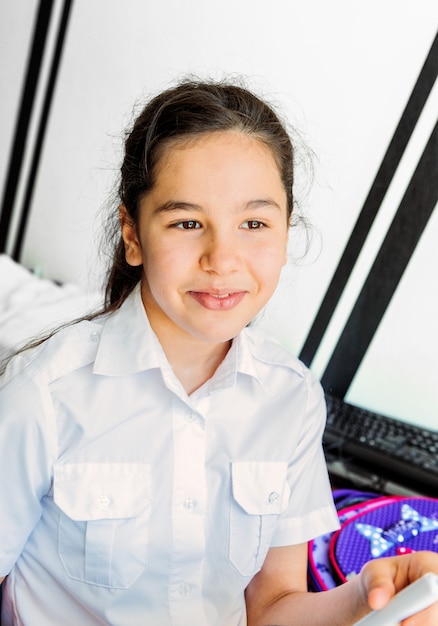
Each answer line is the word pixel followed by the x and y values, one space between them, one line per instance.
pixel 188 502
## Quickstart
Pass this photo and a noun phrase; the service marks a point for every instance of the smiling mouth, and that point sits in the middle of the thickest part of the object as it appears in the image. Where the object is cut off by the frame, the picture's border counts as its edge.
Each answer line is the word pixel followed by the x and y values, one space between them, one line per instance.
pixel 218 301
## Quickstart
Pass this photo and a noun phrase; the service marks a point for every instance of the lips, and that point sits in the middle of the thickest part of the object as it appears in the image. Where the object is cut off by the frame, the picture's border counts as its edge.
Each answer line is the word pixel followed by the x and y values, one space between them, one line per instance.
pixel 218 301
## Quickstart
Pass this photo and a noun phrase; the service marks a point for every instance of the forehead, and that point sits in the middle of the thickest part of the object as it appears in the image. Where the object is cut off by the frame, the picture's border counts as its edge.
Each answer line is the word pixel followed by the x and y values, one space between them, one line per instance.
pixel 230 139
pixel 219 157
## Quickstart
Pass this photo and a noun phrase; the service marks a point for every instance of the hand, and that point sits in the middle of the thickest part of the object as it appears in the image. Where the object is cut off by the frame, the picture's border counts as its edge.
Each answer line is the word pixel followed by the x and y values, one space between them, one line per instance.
pixel 382 578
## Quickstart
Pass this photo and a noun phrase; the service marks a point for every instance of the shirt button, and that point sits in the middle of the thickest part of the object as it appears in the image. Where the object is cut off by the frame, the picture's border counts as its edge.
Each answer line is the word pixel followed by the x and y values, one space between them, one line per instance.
pixel 189 416
pixel 95 337
pixel 273 497
pixel 184 589
pixel 190 503
pixel 103 502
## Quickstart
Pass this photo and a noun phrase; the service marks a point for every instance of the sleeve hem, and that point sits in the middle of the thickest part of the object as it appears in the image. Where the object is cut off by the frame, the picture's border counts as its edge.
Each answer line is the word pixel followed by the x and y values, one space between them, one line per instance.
pixel 296 530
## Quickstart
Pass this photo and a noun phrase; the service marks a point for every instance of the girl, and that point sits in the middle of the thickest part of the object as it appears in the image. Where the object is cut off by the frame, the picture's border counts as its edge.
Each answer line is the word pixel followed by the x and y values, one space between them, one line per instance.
pixel 161 462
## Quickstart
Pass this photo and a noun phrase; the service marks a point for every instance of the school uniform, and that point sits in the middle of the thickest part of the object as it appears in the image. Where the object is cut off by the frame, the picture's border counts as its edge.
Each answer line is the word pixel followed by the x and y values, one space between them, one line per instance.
pixel 125 501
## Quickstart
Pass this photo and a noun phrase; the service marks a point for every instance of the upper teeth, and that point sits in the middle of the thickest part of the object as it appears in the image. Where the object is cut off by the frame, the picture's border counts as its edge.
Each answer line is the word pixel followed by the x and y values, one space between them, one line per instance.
pixel 224 295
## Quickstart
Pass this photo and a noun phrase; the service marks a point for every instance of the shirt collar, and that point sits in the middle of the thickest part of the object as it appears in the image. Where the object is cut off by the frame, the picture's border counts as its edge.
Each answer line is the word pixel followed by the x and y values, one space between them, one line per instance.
pixel 128 344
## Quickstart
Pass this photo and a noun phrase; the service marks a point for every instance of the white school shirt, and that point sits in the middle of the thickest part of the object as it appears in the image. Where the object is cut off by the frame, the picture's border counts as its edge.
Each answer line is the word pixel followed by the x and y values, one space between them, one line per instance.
pixel 126 502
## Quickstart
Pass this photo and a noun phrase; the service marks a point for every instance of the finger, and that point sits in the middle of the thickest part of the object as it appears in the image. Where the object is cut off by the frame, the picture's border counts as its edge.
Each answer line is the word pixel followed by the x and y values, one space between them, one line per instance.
pixel 428 617
pixel 378 580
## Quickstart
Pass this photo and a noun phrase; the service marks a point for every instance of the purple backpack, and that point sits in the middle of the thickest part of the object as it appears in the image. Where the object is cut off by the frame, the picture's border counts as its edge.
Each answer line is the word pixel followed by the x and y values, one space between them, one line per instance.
pixel 372 526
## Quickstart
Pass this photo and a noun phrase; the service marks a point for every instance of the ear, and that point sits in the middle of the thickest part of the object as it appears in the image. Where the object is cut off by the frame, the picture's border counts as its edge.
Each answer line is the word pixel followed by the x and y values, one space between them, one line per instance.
pixel 133 253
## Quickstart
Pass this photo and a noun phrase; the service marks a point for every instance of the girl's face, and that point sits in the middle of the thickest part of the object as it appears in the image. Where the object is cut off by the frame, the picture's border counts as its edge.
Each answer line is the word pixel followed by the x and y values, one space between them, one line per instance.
pixel 212 237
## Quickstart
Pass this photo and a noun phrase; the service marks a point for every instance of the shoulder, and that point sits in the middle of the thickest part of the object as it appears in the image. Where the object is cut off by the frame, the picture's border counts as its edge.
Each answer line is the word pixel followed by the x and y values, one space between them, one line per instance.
pixel 267 350
pixel 280 371
pixel 67 349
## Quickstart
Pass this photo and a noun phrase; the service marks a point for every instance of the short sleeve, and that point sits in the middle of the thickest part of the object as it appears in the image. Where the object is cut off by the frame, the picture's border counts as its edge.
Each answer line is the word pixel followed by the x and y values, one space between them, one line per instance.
pixel 311 510
pixel 27 444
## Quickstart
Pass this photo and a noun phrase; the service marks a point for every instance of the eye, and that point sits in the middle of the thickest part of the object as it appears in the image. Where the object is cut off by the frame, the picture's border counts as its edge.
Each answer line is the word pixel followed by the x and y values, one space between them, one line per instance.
pixel 253 225
pixel 188 225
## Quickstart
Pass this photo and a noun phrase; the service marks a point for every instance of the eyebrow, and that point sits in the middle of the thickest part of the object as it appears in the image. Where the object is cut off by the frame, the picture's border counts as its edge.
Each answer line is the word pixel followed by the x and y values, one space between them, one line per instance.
pixel 177 205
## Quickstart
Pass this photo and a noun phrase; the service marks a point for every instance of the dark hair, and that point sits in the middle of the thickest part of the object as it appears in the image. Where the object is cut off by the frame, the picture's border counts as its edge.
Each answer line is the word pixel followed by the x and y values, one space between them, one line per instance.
pixel 189 109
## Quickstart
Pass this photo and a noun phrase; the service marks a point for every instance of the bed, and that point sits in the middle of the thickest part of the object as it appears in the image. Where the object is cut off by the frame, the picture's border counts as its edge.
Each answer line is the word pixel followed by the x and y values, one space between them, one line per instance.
pixel 30 306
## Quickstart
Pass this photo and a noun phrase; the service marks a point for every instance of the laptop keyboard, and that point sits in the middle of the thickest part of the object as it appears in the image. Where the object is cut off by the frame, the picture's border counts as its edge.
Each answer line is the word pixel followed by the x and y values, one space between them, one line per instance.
pixel 401 451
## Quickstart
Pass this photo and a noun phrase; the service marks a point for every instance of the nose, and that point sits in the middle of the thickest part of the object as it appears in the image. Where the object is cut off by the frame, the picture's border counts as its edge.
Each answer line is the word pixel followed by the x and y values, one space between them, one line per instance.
pixel 221 254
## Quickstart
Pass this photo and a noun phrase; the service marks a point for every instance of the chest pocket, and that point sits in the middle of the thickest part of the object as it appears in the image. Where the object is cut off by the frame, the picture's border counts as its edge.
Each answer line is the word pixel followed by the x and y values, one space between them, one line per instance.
pixel 260 493
pixel 104 520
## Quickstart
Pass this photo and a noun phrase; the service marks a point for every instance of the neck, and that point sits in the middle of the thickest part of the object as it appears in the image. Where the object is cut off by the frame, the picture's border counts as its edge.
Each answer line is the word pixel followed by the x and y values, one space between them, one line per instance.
pixel 194 362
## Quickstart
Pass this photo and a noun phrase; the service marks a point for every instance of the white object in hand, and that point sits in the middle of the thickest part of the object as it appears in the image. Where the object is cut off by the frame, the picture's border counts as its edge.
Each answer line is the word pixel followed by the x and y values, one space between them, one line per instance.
pixel 410 600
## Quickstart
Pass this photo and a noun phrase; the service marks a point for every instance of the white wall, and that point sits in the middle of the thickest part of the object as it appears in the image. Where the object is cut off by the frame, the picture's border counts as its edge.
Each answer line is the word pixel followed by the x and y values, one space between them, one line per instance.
pixel 341 71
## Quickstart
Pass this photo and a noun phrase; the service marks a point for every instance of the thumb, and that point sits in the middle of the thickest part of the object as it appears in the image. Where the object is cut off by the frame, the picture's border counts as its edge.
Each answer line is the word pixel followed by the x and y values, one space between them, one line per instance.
pixel 378 584
pixel 380 594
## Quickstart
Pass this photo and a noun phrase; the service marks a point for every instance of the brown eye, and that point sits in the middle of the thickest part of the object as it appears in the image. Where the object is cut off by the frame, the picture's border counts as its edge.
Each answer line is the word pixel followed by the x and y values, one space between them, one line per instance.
pixel 188 225
pixel 253 225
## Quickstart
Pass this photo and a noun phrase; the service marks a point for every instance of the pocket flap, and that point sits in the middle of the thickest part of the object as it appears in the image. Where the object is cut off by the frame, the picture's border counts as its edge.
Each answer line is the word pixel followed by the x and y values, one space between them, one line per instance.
pixel 94 491
pixel 260 488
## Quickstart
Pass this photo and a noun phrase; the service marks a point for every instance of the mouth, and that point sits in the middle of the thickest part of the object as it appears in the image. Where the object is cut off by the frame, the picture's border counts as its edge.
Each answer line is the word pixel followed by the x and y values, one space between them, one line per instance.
pixel 218 301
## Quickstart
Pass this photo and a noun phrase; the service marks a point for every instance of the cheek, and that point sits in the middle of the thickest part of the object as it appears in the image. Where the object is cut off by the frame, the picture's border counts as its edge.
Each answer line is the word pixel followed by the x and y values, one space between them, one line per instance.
pixel 163 265
pixel 271 258
pixel 267 274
